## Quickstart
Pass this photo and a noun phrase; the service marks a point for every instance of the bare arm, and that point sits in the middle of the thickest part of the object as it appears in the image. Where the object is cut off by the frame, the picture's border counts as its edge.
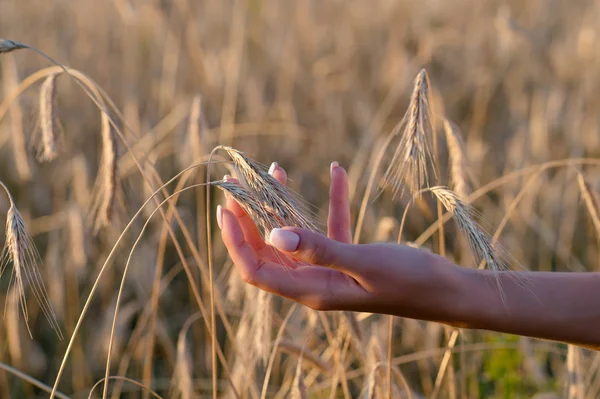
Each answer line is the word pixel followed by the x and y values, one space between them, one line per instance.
pixel 399 280
pixel 557 306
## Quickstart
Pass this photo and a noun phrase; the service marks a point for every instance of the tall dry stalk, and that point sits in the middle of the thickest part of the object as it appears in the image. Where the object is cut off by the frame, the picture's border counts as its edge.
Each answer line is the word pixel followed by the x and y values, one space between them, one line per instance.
pixel 298 390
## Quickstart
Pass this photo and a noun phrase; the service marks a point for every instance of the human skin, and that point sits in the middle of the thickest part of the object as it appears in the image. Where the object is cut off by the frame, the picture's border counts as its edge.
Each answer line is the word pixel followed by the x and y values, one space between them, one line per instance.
pixel 334 274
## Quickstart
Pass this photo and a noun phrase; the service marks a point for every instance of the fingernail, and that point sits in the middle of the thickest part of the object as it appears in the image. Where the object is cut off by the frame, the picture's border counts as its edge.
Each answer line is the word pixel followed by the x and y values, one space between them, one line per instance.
pixel 226 177
pixel 220 216
pixel 284 240
pixel 272 168
pixel 334 165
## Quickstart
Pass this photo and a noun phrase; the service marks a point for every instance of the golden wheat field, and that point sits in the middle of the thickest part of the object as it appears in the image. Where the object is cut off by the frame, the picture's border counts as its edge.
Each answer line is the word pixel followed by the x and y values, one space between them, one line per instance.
pixel 119 118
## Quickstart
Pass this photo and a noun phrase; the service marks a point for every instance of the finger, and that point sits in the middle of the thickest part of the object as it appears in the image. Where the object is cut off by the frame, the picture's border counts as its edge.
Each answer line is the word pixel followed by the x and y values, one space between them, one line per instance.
pixel 338 222
pixel 251 232
pixel 317 249
pixel 278 173
pixel 308 285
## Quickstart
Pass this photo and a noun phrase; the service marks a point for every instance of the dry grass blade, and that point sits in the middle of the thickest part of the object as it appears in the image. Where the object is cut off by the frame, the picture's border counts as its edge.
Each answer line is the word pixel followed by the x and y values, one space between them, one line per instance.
pixel 49 145
pixel 21 252
pixel 458 159
pixel 412 158
pixel 7 46
pixel 279 200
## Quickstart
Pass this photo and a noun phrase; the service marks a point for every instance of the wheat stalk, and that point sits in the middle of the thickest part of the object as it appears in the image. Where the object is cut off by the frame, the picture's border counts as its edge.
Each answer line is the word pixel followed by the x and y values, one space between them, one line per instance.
pixel 298 387
pixel 21 252
pixel 412 158
pixel 277 199
pixel 49 145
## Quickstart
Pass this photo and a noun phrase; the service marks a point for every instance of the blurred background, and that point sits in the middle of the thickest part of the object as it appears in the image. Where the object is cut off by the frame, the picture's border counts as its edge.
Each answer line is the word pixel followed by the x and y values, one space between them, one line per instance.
pixel 302 83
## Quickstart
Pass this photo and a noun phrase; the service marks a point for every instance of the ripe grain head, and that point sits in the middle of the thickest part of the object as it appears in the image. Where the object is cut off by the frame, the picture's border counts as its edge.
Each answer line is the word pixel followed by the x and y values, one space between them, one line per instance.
pixel 458 159
pixel 49 144
pixel 104 204
pixel 279 200
pixel 409 166
pixel 7 46
pixel 20 251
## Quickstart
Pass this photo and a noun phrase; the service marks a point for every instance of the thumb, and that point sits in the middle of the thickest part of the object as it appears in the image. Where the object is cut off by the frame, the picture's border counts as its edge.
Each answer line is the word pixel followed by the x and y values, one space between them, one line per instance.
pixel 314 248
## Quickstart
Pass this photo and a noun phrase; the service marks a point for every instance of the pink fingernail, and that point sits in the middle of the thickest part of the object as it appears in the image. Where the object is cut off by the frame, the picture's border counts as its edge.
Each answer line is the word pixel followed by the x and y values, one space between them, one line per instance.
pixel 272 168
pixel 220 216
pixel 334 165
pixel 284 240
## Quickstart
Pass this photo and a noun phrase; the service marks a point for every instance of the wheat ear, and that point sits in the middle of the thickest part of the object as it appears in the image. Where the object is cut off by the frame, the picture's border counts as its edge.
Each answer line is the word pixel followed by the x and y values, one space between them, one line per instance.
pixel 412 158
pixel 458 159
pixel 279 200
pixel 6 46
pixel 21 252
pixel 49 146
pixel 108 175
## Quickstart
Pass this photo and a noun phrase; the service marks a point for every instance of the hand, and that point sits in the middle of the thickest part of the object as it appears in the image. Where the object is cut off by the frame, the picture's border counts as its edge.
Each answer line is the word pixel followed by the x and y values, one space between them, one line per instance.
pixel 384 278
pixel 404 281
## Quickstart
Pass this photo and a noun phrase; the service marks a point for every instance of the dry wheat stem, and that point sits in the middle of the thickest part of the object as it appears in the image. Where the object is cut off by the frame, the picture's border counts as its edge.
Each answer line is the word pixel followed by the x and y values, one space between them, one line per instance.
pixel 298 387
pixel 137 241
pixel 184 372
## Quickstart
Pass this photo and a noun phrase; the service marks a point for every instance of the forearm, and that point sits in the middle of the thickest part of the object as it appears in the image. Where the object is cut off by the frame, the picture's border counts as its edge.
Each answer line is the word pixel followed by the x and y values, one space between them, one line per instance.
pixel 557 306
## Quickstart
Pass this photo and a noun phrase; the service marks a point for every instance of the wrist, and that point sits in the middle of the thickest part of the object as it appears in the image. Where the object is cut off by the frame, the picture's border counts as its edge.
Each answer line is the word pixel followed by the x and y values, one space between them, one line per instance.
pixel 429 288
pixel 450 290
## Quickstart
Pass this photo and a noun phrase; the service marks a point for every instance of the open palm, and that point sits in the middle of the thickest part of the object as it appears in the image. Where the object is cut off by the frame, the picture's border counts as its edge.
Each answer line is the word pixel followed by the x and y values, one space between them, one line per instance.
pixel 313 284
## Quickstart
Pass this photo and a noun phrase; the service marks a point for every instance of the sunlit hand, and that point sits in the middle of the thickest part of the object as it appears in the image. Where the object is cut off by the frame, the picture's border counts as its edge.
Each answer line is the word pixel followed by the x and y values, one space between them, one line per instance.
pixel 332 273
